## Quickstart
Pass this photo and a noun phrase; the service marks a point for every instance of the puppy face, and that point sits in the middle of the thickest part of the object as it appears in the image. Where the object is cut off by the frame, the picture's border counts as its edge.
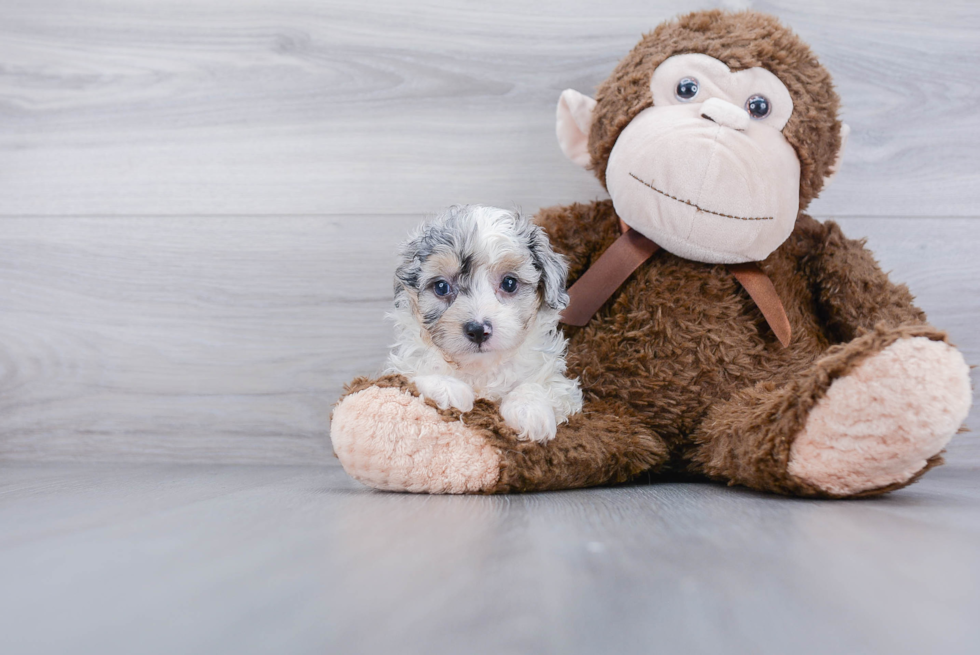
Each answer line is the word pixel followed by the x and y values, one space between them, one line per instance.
pixel 476 278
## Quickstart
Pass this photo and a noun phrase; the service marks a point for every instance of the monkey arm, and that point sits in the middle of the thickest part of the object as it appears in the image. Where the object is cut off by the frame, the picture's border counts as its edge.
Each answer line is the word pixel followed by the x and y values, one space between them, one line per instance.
pixel 580 232
pixel 852 292
pixel 388 437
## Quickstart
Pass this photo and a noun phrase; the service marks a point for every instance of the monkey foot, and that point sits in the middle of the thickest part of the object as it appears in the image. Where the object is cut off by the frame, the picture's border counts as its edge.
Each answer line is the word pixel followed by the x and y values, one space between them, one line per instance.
pixel 389 439
pixel 880 425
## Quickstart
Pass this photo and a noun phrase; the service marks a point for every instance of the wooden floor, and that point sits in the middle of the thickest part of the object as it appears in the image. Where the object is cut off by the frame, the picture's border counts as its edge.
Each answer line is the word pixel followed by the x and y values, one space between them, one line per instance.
pixel 199 206
pixel 300 559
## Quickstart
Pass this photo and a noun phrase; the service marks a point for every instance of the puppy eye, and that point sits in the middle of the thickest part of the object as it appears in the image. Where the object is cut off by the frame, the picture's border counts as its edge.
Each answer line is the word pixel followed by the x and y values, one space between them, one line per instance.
pixel 509 284
pixel 441 288
pixel 687 88
pixel 758 106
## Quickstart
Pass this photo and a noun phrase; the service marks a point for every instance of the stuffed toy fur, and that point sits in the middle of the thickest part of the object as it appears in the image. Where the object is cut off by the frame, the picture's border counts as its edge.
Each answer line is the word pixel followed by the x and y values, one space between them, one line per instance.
pixel 681 373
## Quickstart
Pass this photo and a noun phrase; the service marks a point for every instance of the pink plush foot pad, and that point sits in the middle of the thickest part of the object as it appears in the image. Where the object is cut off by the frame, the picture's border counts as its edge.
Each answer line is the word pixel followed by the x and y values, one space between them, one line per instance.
pixel 389 439
pixel 879 424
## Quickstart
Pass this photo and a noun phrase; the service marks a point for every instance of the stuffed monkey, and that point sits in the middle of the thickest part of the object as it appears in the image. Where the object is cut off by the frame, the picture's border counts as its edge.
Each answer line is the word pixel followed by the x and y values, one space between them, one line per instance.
pixel 717 329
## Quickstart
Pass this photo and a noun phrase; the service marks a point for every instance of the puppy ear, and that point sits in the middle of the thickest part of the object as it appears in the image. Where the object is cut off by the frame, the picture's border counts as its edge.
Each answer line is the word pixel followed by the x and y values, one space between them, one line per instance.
pixel 409 271
pixel 553 267
pixel 406 278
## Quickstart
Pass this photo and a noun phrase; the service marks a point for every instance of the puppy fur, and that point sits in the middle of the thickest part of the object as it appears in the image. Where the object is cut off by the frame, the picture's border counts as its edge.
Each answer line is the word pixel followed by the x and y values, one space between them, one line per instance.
pixel 492 268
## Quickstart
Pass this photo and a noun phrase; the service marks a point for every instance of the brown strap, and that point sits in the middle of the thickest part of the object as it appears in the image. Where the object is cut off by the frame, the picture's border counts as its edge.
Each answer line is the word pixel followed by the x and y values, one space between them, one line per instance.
pixel 630 250
pixel 606 275
pixel 760 288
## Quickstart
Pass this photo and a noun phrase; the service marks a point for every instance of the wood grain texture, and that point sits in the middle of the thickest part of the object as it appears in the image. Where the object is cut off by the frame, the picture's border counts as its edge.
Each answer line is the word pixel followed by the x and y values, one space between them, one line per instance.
pixel 228 340
pixel 166 337
pixel 122 108
pixel 247 559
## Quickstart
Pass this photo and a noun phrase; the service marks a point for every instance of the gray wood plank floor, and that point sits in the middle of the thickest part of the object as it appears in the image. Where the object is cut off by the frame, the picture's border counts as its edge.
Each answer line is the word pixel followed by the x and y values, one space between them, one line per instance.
pixel 238 559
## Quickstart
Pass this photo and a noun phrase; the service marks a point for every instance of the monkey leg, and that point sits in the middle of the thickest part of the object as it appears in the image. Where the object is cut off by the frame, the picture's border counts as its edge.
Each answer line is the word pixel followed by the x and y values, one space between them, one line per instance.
pixel 868 417
pixel 387 437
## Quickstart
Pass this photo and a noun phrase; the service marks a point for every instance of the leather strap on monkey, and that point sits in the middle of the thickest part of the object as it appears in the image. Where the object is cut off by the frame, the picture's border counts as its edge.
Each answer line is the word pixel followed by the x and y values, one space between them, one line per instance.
pixel 630 250
pixel 762 291
pixel 606 274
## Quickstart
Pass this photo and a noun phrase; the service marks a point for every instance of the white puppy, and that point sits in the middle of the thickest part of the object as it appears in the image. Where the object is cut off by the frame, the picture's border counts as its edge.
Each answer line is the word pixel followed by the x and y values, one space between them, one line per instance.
pixel 477 302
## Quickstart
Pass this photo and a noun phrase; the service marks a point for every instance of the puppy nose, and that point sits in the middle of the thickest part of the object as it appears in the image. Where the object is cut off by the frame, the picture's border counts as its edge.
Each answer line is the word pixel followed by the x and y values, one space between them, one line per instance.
pixel 477 332
pixel 725 114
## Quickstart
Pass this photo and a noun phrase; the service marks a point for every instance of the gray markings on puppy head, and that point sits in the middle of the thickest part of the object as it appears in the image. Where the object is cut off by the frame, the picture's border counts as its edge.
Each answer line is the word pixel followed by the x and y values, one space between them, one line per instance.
pixel 552 266
pixel 426 240
pixel 472 249
pixel 433 252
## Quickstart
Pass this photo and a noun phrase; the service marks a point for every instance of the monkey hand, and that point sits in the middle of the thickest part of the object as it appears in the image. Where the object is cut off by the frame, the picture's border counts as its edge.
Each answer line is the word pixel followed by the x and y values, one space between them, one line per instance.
pixel 388 437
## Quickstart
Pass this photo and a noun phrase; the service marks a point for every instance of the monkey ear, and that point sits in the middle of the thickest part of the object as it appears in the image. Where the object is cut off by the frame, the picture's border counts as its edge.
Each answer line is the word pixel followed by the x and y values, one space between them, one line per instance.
pixel 845 131
pixel 574 123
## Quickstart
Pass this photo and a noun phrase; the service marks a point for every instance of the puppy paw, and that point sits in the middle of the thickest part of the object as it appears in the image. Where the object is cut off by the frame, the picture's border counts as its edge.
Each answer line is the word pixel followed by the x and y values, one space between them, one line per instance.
pixel 446 391
pixel 531 417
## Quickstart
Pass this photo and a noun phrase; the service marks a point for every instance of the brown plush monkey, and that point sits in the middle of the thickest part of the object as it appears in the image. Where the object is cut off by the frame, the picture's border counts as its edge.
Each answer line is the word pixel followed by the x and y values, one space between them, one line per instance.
pixel 711 137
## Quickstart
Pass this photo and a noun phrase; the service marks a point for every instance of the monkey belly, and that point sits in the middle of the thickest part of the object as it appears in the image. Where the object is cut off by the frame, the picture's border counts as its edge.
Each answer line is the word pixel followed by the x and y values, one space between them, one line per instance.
pixel 682 335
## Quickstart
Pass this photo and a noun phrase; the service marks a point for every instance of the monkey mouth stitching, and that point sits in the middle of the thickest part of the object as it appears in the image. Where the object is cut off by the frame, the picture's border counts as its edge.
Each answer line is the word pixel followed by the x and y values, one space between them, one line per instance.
pixel 700 209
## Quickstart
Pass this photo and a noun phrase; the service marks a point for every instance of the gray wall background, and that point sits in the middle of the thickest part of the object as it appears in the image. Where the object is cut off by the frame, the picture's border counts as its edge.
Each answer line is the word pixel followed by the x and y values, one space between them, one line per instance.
pixel 201 201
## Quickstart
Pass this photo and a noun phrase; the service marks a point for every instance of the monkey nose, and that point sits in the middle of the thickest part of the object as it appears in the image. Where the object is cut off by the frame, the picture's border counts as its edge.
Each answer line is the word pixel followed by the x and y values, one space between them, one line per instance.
pixel 725 114
pixel 477 332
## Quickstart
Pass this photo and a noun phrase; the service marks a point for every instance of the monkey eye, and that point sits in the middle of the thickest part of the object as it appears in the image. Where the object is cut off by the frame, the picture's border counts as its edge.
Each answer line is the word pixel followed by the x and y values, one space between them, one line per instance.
pixel 687 88
pixel 441 288
pixel 758 106
pixel 509 284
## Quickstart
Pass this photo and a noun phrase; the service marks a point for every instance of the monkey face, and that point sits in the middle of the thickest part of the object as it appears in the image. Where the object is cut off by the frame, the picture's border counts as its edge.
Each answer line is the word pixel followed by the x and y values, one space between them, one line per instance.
pixel 706 172
pixel 708 162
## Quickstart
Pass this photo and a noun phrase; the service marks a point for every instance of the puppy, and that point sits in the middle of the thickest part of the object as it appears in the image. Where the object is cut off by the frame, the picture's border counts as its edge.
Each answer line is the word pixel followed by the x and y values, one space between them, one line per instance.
pixel 477 300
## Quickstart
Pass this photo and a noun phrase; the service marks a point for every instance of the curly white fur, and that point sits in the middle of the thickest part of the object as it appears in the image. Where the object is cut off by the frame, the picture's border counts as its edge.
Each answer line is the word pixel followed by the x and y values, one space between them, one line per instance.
pixel 522 363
